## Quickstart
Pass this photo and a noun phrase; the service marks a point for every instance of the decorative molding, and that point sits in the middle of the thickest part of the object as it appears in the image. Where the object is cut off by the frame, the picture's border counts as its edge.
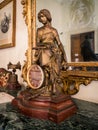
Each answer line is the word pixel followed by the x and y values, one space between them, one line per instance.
pixel 81 13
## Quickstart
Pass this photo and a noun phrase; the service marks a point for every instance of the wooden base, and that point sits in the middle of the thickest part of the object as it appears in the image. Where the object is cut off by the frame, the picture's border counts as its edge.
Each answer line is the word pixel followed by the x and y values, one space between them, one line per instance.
pixel 54 108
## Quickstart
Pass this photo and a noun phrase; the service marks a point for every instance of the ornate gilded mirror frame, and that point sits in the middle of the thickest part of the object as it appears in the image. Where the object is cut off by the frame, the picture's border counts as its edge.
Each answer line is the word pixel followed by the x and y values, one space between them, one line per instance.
pixel 29 14
pixel 77 72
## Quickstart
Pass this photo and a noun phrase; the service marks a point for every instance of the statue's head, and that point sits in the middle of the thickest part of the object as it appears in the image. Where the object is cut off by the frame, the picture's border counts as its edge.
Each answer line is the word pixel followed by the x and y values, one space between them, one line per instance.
pixel 46 13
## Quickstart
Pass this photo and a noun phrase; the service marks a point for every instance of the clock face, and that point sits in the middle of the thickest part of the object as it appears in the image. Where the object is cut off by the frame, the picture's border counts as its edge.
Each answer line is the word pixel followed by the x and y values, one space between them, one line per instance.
pixel 35 76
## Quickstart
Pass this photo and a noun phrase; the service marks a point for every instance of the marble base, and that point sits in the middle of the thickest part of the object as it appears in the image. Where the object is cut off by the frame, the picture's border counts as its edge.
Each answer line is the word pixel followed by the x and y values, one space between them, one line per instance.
pixel 86 118
pixel 54 108
pixel 5 97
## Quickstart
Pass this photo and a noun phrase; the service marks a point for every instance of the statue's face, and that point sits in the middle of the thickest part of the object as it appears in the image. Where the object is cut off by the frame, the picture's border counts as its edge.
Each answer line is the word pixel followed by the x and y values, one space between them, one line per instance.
pixel 43 19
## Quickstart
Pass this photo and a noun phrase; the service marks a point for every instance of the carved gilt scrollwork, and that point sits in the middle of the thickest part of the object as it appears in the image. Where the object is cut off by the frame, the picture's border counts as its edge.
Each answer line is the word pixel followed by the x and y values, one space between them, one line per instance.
pixel 79 75
pixel 25 11
pixel 29 11
pixel 25 16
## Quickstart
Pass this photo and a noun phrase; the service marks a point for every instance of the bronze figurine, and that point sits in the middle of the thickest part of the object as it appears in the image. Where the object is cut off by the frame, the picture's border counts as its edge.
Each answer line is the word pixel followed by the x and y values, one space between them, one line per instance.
pixel 50 54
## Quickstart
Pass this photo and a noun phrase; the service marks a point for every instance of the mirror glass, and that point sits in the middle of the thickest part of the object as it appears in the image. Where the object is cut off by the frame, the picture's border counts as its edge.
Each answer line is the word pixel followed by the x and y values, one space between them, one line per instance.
pixel 73 19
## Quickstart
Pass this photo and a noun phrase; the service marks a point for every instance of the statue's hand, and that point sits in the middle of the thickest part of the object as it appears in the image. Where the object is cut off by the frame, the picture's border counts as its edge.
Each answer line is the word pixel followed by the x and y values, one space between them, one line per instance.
pixel 64 65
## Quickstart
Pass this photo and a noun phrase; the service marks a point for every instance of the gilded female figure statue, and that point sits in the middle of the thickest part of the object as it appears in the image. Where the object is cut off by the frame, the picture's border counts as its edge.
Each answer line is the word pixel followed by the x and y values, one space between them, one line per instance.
pixel 51 55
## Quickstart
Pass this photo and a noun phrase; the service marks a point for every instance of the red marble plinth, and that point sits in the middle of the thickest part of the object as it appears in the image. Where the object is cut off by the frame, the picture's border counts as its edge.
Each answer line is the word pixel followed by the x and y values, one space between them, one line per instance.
pixel 54 108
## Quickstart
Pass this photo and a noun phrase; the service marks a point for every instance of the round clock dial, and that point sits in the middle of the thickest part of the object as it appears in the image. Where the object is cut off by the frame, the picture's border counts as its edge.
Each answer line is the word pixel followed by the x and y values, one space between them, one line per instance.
pixel 35 76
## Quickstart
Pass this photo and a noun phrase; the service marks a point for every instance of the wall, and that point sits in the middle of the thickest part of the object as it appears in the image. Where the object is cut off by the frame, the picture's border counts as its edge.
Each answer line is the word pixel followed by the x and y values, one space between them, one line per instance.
pixel 16 53
pixel 61 21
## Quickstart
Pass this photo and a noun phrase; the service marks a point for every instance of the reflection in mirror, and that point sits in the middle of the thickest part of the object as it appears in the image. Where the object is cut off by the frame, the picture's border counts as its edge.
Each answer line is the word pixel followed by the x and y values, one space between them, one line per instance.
pixel 83 47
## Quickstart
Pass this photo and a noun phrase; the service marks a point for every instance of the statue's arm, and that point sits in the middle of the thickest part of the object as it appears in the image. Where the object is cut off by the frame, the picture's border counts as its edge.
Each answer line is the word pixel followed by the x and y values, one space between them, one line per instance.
pixel 60 45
